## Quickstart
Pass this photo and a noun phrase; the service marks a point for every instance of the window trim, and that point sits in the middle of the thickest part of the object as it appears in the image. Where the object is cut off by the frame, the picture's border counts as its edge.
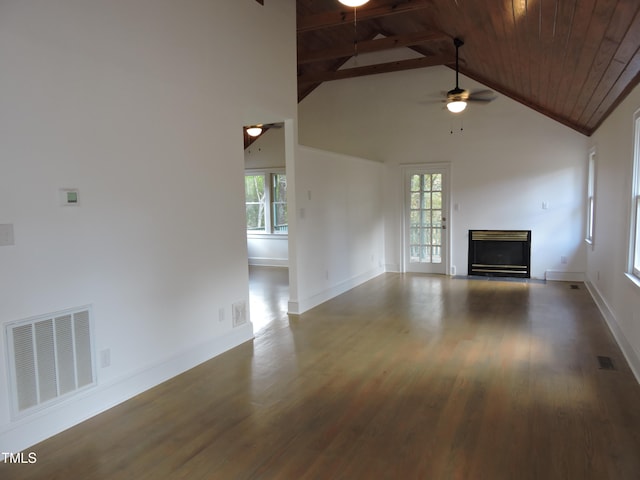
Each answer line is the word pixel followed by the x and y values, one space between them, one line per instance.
pixel 633 268
pixel 269 232
pixel 591 195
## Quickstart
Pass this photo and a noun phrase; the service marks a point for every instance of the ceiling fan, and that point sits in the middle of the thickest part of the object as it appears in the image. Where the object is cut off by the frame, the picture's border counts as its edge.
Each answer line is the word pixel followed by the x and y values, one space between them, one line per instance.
pixel 457 98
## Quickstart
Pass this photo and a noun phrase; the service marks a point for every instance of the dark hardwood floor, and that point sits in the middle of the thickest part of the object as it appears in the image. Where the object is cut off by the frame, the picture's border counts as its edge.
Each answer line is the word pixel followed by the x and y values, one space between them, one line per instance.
pixel 404 377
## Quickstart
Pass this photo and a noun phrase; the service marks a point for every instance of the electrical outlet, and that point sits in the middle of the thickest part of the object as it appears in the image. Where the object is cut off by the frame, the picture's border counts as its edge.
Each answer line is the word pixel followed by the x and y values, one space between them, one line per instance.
pixel 6 235
pixel 105 358
pixel 563 260
pixel 221 314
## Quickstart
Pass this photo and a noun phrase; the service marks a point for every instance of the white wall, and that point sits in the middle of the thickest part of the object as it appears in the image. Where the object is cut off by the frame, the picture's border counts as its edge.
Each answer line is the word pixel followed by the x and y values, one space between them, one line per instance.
pixel 339 233
pixel 505 163
pixel 140 106
pixel 267 152
pixel 617 296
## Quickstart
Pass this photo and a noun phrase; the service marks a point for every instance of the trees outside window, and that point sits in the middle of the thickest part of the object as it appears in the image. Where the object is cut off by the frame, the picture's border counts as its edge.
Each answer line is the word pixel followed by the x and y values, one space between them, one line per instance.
pixel 255 202
pixel 266 202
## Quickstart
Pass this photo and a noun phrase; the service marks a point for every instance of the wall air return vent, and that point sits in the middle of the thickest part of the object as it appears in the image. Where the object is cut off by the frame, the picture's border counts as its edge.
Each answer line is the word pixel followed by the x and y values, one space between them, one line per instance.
pixel 50 358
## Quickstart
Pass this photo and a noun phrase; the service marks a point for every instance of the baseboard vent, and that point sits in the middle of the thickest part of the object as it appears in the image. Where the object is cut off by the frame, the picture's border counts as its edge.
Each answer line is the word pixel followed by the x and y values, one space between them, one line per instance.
pixel 50 358
pixel 605 363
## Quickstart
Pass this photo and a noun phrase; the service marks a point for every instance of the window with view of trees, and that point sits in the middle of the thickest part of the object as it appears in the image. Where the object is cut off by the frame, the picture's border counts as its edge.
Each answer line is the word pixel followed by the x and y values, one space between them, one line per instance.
pixel 266 202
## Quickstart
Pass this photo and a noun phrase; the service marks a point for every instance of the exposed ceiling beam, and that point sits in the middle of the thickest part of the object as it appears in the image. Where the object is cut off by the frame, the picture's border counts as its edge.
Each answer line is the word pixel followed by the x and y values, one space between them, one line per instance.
pixel 369 46
pixel 374 69
pixel 337 18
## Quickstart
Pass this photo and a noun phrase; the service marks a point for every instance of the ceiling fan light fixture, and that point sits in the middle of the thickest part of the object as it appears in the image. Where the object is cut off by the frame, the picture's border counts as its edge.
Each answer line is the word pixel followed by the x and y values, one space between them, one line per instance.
pixel 254 131
pixel 456 106
pixel 353 3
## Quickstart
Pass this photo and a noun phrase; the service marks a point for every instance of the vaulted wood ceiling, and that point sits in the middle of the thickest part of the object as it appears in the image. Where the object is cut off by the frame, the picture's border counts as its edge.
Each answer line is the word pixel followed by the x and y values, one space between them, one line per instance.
pixel 572 60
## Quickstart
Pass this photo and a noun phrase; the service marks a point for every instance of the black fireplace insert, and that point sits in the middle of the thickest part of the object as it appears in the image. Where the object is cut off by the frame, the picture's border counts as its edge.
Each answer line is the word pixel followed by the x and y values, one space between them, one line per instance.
pixel 500 253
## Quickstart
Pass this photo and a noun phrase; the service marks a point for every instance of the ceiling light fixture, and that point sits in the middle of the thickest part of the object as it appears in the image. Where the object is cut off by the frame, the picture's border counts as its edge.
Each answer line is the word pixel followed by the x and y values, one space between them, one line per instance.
pixel 254 131
pixel 353 3
pixel 456 106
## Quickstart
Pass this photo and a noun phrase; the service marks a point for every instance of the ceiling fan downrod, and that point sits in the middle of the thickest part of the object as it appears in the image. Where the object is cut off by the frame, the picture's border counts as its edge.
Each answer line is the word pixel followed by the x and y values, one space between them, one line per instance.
pixel 458 43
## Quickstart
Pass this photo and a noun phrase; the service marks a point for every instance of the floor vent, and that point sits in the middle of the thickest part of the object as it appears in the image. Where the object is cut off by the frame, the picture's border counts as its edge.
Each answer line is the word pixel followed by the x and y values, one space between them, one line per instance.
pixel 50 358
pixel 606 363
pixel 574 287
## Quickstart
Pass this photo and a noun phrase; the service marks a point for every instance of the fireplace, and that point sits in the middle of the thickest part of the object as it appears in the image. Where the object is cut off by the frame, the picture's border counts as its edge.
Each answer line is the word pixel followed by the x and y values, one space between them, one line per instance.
pixel 500 253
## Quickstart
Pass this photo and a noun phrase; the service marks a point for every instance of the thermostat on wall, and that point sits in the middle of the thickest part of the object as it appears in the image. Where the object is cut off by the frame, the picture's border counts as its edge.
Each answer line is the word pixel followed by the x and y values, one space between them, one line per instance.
pixel 69 197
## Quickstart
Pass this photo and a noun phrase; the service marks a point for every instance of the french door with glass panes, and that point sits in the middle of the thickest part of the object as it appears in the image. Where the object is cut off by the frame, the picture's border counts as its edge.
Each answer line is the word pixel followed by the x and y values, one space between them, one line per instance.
pixel 426 245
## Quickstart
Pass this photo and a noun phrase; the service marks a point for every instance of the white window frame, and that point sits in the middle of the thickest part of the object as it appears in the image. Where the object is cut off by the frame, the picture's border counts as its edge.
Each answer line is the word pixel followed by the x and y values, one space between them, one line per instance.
pixel 591 195
pixel 634 230
pixel 268 173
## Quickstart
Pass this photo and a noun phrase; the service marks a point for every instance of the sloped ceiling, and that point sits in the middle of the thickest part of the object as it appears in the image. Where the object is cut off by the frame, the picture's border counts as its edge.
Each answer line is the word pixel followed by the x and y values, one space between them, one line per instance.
pixel 571 60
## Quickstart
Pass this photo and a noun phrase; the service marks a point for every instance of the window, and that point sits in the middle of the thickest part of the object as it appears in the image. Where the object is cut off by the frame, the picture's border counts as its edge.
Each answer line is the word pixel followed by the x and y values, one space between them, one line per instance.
pixel 266 202
pixel 591 188
pixel 634 250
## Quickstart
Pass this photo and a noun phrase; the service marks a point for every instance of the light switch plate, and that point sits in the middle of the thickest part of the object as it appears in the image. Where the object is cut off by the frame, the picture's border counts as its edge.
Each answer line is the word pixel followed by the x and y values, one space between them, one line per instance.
pixel 6 235
pixel 69 197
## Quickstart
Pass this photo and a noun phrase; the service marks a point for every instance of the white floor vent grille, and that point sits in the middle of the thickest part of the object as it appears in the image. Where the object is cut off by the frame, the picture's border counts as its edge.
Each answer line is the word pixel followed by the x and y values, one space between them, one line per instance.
pixel 50 357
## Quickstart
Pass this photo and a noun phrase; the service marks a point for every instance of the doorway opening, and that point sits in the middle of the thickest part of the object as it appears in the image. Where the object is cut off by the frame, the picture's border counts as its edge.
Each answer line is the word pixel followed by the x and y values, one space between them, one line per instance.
pixel 426 210
pixel 266 210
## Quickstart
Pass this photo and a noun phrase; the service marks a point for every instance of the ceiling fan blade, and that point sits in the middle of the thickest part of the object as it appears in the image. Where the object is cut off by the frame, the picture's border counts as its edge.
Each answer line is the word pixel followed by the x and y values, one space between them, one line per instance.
pixel 482 96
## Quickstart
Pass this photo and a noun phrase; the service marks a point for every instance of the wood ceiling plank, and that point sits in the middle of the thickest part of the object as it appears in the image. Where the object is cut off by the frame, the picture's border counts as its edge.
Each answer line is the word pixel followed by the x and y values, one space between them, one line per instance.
pixel 596 82
pixel 512 63
pixel 598 24
pixel 621 19
pixel 486 48
pixel 524 101
pixel 515 24
pixel 579 29
pixel 627 81
pixel 375 69
pixel 629 44
pixel 342 17
pixel 548 18
pixel 598 100
pixel 625 27
pixel 563 29
pixel 376 45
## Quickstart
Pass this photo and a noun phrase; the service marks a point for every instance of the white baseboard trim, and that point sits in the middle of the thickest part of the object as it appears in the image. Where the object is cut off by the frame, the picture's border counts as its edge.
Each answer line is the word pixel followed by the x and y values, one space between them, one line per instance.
pixel 561 276
pixel 609 317
pixel 302 305
pixel 21 434
pixel 269 262
pixel 392 268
